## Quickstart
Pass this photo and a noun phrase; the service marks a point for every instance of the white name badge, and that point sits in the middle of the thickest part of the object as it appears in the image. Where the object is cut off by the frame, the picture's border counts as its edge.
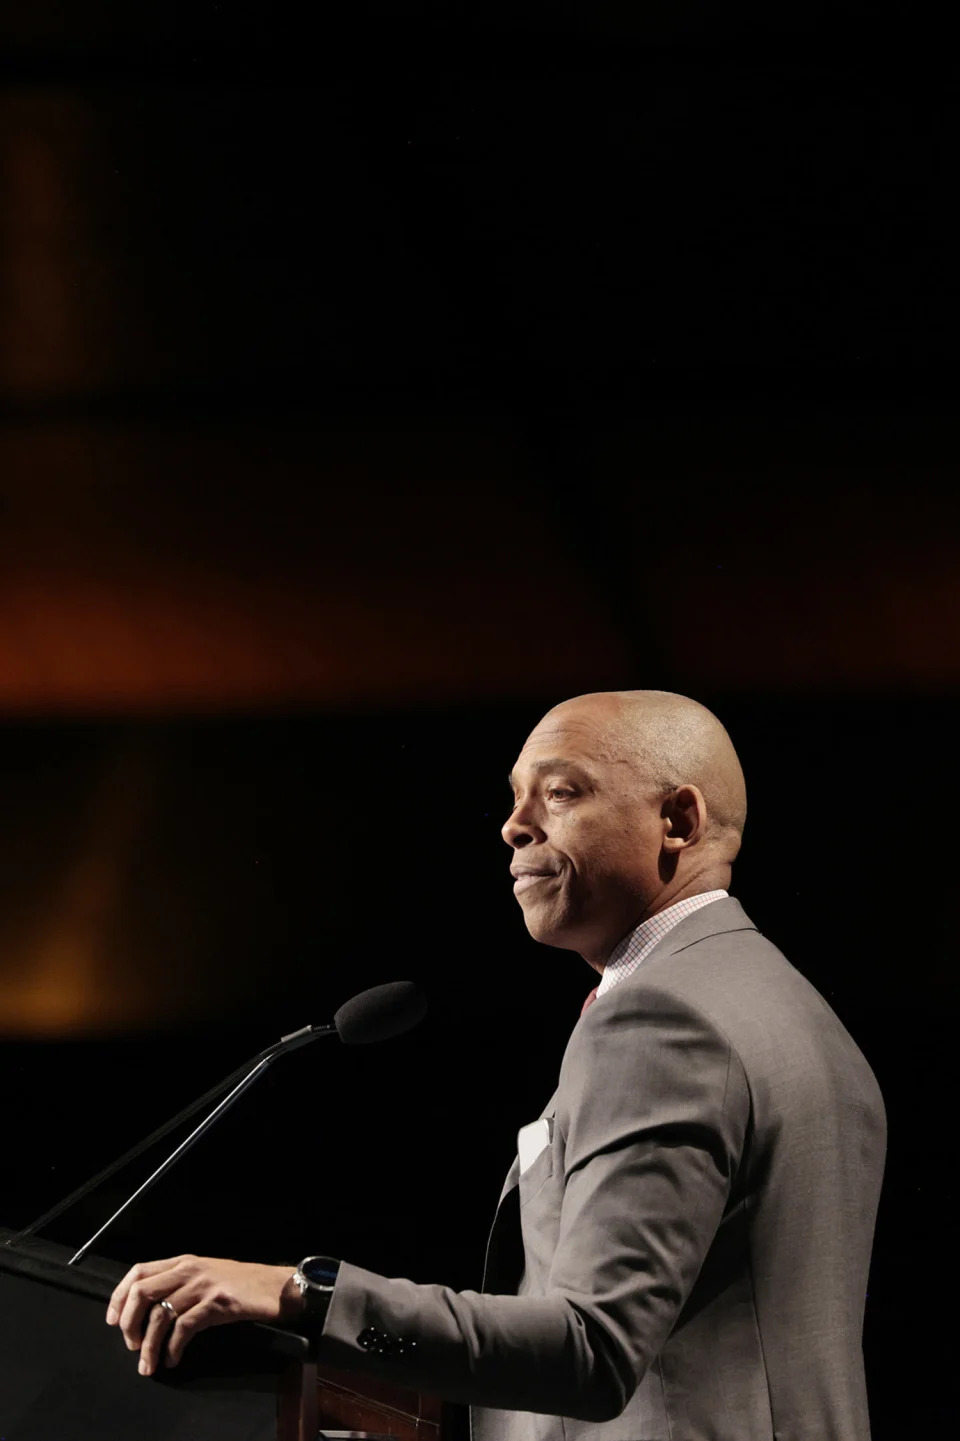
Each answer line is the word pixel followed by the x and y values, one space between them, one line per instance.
pixel 532 1139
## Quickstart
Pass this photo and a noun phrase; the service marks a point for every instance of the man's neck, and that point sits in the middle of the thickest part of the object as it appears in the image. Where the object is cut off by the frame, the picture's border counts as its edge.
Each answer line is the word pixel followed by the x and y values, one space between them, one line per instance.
pixel 702 885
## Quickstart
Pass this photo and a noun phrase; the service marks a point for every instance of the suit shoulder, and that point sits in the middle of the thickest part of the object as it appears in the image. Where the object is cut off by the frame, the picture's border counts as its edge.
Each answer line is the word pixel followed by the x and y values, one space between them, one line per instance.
pixel 772 1016
pixel 723 969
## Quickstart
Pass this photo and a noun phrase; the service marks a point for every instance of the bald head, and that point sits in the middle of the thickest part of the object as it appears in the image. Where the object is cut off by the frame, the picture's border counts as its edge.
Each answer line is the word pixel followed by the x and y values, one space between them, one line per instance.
pixel 667 741
pixel 625 802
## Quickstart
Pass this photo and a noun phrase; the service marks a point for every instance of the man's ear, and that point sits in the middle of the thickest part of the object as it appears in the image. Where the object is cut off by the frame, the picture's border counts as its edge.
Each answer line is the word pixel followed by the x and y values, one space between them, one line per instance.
pixel 684 813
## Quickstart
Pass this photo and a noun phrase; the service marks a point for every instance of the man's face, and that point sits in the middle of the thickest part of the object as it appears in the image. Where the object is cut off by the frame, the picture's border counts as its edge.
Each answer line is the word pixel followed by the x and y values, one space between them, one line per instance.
pixel 586 834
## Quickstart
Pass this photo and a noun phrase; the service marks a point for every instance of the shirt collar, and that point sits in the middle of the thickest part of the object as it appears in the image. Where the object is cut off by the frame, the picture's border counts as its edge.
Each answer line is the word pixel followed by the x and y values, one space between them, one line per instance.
pixel 637 944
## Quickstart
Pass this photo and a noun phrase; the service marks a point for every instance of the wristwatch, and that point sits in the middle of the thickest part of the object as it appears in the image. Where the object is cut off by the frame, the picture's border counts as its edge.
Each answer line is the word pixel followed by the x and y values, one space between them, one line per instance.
pixel 316 1277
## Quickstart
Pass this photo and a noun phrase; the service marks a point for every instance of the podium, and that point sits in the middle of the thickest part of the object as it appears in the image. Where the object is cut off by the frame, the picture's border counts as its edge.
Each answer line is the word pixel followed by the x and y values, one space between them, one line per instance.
pixel 66 1376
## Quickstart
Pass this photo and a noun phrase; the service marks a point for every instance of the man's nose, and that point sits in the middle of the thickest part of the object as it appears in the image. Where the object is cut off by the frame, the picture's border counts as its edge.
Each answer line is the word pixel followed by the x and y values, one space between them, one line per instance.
pixel 521 828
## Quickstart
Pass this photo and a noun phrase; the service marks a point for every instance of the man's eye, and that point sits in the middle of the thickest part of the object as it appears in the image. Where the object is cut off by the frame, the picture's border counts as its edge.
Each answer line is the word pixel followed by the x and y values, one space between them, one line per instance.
pixel 558 791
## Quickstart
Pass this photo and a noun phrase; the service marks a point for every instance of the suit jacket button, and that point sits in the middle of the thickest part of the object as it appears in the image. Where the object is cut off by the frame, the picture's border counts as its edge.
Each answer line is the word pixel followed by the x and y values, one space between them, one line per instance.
pixel 368 1338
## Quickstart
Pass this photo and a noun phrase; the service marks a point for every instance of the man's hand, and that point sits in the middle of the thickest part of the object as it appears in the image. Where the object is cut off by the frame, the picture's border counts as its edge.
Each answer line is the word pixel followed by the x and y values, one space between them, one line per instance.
pixel 202 1292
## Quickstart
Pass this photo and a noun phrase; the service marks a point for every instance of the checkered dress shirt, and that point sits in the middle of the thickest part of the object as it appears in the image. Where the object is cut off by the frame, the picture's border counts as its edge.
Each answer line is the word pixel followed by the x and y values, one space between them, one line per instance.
pixel 627 954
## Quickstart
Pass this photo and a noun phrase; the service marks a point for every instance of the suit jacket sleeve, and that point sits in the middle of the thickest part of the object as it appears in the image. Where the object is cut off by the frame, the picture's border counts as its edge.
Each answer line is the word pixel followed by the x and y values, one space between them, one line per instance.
pixel 651 1115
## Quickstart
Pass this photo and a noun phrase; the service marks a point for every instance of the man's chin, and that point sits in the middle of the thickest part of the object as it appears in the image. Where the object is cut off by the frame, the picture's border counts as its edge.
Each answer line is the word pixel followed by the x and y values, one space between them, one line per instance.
pixel 550 930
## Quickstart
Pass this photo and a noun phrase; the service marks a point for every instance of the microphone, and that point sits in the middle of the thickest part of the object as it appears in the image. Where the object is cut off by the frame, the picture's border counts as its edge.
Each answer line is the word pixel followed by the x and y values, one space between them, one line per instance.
pixel 380 1013
pixel 377 1014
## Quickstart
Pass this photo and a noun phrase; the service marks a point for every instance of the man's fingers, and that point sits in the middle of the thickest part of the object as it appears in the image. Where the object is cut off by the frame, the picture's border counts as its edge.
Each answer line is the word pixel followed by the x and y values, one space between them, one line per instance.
pixel 139 1272
pixel 141 1295
pixel 196 1319
pixel 135 1312
pixel 167 1335
pixel 160 1323
pixel 169 1327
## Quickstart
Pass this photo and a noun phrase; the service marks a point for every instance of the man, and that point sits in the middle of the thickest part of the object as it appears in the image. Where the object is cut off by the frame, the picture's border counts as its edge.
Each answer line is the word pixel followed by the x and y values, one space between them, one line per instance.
pixel 681 1248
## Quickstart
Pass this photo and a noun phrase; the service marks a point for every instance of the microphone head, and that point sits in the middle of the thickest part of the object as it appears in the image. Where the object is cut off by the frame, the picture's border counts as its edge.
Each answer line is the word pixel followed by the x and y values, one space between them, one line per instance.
pixel 380 1013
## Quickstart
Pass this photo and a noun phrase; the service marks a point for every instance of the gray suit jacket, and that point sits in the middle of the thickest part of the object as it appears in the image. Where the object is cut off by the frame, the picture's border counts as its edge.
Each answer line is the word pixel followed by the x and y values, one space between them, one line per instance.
pixel 686 1260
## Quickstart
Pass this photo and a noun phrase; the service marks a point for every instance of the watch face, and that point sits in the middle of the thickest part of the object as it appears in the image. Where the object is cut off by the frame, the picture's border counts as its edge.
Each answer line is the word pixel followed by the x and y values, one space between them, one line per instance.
pixel 319 1270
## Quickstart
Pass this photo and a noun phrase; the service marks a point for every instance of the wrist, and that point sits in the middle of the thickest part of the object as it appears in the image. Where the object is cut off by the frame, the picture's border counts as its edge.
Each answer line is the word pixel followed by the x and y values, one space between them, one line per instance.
pixel 291 1297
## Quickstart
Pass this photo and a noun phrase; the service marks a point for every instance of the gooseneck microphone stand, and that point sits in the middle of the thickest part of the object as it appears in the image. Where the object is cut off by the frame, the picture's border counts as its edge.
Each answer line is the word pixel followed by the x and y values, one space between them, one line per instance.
pixel 239 1080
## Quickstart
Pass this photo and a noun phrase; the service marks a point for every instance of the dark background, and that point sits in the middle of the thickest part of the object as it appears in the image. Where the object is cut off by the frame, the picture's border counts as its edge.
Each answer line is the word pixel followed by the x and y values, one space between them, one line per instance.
pixel 366 387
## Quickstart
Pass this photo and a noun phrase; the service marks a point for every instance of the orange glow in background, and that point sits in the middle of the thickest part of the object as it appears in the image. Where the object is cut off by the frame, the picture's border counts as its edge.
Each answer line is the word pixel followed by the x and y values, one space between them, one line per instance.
pixel 206 568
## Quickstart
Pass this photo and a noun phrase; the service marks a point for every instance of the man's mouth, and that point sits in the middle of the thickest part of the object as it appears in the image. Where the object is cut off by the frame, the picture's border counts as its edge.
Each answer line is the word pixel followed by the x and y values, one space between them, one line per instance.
pixel 526 879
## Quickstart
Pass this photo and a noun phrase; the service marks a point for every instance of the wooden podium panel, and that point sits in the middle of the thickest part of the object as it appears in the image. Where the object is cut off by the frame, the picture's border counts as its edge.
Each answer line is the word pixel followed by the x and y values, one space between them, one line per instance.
pixel 352 1403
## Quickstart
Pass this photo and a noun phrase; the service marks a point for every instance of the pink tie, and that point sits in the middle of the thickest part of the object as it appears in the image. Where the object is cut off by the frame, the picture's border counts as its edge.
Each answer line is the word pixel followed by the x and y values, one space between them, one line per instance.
pixel 588 1002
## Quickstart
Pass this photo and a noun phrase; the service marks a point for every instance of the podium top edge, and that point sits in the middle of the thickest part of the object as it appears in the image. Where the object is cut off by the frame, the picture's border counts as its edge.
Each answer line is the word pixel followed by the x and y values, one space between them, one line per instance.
pixel 47 1261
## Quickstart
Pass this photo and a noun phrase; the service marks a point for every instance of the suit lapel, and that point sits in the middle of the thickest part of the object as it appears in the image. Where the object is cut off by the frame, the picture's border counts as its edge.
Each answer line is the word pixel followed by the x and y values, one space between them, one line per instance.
pixel 513 1179
pixel 503 1263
